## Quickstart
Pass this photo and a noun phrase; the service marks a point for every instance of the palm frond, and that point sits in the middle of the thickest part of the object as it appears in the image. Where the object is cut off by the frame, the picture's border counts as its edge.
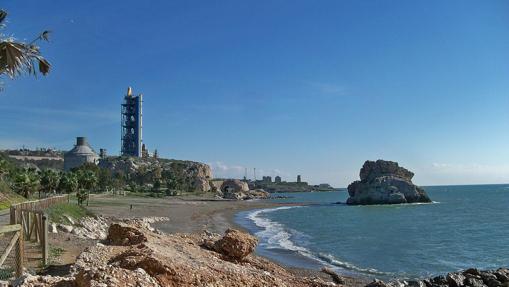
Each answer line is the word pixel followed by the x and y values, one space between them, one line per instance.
pixel 17 58
pixel 3 15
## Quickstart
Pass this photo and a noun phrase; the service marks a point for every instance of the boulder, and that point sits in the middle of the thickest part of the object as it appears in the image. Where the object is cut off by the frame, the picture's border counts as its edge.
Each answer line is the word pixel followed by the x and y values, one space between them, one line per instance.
pixel 234 189
pixel 234 185
pixel 376 283
pixel 53 228
pixel 65 228
pixel 258 194
pixel 502 275
pixel 335 277
pixel 385 182
pixel 455 279
pixel 239 190
pixel 201 184
pixel 124 235
pixel 236 244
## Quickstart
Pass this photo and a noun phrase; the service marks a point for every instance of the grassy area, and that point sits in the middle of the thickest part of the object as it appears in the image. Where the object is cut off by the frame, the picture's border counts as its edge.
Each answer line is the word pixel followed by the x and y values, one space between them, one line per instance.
pixel 56 213
pixel 6 273
pixel 8 197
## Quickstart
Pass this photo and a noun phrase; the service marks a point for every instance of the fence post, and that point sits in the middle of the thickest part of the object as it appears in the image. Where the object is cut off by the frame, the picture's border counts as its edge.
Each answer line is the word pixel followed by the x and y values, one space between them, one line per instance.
pixel 20 253
pixel 13 215
pixel 44 240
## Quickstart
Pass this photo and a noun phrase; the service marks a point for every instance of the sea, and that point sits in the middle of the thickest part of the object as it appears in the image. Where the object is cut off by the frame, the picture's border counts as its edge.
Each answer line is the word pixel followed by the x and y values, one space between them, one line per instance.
pixel 465 226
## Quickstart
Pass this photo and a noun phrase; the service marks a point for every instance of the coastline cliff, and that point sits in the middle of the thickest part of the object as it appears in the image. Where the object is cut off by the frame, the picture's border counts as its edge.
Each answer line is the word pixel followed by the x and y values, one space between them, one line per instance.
pixel 193 176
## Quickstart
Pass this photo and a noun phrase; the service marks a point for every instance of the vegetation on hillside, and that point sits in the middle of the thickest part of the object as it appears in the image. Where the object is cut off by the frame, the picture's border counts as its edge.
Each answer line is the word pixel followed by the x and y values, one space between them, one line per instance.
pixel 157 178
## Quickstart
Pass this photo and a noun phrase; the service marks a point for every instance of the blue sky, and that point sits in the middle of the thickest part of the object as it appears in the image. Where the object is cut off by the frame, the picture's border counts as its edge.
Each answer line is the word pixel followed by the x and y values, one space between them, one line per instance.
pixel 289 87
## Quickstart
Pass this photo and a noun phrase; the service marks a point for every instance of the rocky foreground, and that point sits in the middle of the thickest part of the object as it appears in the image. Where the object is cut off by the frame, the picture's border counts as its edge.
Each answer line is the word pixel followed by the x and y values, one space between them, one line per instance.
pixel 134 254
pixel 468 278
pixel 385 182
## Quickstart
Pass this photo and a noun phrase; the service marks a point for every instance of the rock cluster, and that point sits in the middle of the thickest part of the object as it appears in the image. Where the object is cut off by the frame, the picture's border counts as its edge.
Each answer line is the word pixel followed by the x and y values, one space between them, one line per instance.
pixel 152 259
pixel 239 190
pixel 468 278
pixel 93 227
pixel 385 182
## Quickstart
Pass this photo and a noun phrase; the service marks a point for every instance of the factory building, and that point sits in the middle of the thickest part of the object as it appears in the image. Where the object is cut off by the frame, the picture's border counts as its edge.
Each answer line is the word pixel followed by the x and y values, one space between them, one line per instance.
pixel 132 125
pixel 80 154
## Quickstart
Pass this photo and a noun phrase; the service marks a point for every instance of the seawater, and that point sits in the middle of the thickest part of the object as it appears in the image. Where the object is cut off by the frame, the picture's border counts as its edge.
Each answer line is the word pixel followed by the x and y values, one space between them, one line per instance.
pixel 465 226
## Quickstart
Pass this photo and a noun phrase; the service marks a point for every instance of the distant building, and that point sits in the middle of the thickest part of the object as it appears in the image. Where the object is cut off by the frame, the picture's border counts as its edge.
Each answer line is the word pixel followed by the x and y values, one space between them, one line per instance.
pixel 132 125
pixel 80 154
pixel 267 179
pixel 102 153
pixel 298 179
pixel 277 179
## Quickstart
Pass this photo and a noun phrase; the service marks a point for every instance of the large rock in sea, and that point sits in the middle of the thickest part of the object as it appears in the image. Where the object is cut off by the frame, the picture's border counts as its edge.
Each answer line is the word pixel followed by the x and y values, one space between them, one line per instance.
pixel 385 182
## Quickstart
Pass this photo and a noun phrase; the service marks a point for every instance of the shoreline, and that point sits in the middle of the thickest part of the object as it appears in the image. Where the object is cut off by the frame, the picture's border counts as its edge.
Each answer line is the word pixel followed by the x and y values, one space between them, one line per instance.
pixel 195 214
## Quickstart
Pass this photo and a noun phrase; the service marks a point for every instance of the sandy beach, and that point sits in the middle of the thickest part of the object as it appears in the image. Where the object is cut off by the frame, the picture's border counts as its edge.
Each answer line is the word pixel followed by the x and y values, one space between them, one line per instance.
pixel 187 214
pixel 191 214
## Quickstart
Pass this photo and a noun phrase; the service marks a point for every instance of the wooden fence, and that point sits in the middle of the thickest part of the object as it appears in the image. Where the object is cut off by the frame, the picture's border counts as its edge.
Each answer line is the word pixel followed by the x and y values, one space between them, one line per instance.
pixel 33 225
pixel 41 204
pixel 16 241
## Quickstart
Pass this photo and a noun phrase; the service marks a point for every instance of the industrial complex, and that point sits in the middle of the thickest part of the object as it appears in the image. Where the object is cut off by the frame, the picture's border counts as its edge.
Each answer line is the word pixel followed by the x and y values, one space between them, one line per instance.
pixel 131 136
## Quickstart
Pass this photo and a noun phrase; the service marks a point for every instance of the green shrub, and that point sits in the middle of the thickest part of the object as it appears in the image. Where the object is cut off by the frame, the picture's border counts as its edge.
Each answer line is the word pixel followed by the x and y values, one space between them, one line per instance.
pixel 76 212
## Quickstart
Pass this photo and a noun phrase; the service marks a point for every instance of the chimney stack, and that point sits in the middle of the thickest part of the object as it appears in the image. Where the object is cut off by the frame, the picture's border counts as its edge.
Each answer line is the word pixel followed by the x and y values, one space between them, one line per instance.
pixel 81 141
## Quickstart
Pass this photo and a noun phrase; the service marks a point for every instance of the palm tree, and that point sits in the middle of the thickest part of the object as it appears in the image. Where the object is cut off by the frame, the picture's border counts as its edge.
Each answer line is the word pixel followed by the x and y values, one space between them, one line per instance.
pixel 4 168
pixel 49 181
pixel 87 181
pixel 17 58
pixel 68 183
pixel 26 182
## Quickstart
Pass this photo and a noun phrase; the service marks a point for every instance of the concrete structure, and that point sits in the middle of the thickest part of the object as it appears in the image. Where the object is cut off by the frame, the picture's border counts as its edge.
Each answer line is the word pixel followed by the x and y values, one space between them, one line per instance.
pixel 132 125
pixel 277 179
pixel 102 153
pixel 80 154
pixel 267 179
pixel 298 179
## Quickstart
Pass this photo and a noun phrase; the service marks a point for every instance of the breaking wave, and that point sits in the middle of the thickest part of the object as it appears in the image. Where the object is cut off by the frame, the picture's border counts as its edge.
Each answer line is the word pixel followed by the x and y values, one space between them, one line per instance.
pixel 274 235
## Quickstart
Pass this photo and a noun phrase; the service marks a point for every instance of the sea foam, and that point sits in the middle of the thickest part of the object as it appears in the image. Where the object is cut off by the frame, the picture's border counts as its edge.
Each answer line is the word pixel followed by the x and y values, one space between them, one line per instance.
pixel 274 235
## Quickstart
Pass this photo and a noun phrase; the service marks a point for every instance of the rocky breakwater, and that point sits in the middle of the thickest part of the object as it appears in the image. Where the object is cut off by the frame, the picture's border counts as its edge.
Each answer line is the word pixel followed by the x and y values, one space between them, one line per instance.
pixel 194 176
pixel 385 182
pixel 133 255
pixel 469 278
pixel 239 190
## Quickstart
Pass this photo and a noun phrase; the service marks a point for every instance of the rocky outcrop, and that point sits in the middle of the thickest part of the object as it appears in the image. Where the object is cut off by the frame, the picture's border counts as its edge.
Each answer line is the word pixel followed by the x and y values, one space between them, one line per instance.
pixel 239 190
pixel 385 182
pixel 195 175
pixel 236 244
pixel 469 278
pixel 234 186
pixel 175 260
pixel 124 235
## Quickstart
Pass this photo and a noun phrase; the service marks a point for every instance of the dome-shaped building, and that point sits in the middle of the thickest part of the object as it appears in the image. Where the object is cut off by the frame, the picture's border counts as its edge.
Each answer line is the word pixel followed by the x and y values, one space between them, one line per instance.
pixel 80 154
